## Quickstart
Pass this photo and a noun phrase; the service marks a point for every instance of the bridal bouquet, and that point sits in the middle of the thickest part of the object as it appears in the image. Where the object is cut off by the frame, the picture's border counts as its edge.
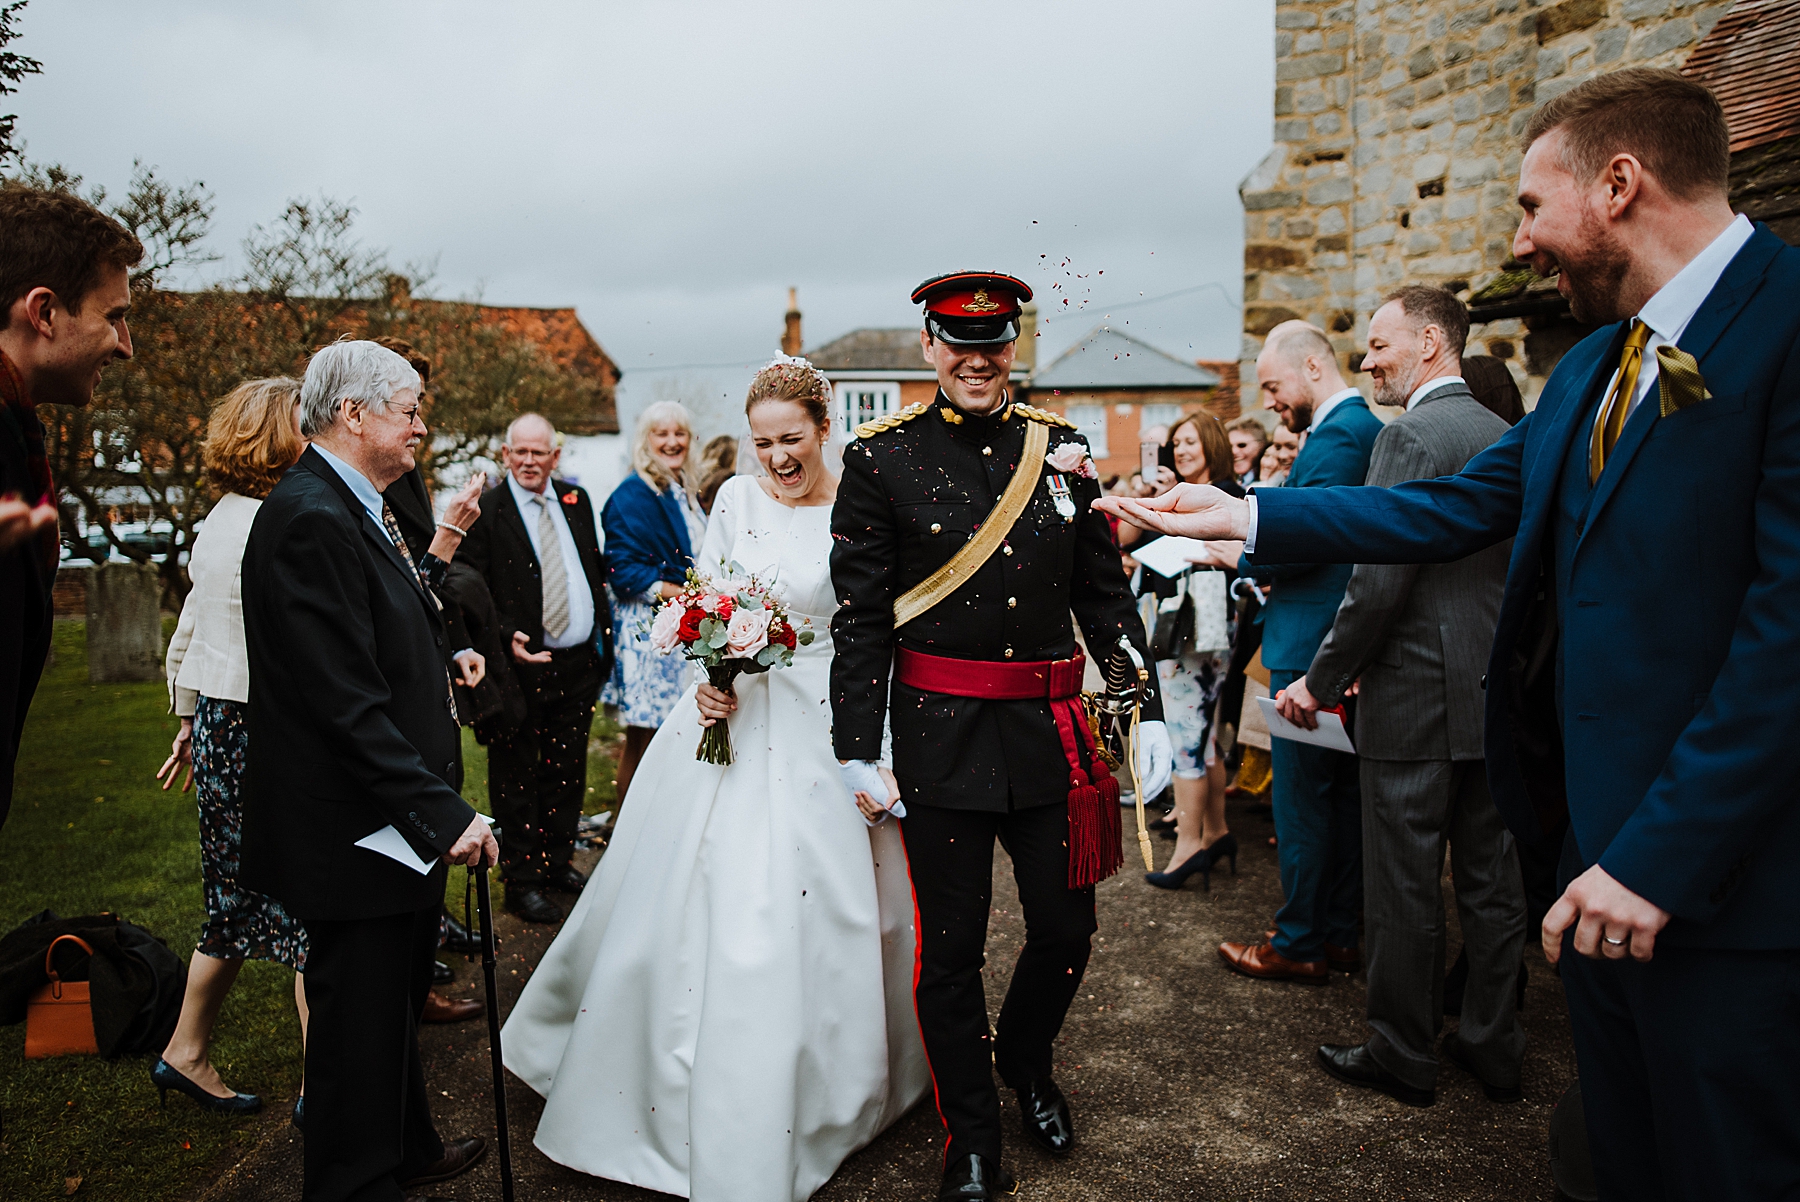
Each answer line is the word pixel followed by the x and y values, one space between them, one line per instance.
pixel 728 626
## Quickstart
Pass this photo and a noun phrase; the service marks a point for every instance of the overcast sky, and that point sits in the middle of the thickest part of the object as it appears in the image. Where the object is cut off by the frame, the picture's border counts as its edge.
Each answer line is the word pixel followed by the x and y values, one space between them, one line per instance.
pixel 672 168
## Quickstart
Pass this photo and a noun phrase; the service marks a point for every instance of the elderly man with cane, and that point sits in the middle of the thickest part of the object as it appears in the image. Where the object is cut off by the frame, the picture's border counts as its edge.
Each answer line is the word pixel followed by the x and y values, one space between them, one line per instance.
pixel 353 810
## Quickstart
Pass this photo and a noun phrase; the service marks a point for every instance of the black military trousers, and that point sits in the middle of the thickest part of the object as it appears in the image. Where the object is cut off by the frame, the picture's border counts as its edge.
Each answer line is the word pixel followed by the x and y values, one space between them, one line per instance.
pixel 950 854
pixel 368 1126
pixel 537 774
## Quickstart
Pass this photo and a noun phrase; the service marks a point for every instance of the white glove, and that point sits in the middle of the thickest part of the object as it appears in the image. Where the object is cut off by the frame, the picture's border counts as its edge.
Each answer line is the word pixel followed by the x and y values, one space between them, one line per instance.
pixel 1156 759
pixel 861 776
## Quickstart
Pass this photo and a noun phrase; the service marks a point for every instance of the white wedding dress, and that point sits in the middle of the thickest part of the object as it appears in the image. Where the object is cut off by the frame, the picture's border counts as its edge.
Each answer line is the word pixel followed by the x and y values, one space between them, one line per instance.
pixel 727 1013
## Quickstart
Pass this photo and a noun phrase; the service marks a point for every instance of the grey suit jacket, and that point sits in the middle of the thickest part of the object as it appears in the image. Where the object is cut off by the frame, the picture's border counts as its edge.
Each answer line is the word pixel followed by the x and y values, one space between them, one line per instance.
pixel 1419 634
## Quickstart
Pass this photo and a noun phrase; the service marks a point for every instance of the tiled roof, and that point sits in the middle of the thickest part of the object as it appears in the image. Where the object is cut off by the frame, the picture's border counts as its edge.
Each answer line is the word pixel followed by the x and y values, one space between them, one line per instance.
pixel 1749 60
pixel 1109 358
pixel 871 350
pixel 559 334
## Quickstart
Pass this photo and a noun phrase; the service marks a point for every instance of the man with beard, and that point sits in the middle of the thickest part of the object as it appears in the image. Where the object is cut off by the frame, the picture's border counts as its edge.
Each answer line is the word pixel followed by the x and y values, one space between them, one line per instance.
pixel 1417 639
pixel 65 286
pixel 1317 796
pixel 1653 705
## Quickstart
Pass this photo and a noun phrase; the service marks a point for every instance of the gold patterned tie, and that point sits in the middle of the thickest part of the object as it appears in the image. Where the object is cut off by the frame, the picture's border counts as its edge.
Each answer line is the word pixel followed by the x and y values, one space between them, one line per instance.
pixel 1618 402
pixel 393 530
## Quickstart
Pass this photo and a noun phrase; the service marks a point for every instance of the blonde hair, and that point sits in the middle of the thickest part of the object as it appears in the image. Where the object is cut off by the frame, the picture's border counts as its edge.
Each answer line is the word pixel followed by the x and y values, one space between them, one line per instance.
pixel 251 439
pixel 648 465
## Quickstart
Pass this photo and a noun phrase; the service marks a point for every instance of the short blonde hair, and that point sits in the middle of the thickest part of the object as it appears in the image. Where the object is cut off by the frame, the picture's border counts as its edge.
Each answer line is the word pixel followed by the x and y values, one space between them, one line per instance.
pixel 649 466
pixel 251 439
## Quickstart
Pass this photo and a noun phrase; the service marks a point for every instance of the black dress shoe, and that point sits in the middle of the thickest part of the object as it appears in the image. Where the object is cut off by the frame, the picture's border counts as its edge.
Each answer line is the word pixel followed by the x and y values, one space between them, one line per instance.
pixel 1458 1055
pixel 441 973
pixel 975 1179
pixel 1356 1066
pixel 1046 1114
pixel 567 879
pixel 458 938
pixel 532 905
pixel 460 1155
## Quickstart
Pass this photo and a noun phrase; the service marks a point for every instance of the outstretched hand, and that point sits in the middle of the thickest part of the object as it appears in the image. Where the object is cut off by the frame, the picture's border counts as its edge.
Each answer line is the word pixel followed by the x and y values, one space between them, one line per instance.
pixel 1188 510
pixel 20 521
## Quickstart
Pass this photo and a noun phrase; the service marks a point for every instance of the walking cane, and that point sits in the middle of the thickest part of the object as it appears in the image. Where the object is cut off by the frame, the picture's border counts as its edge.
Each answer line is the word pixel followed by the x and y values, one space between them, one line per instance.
pixel 485 902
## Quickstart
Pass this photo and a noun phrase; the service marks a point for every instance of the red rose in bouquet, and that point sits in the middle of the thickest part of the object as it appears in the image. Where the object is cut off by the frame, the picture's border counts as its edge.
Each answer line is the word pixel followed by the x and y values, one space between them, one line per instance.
pixel 689 630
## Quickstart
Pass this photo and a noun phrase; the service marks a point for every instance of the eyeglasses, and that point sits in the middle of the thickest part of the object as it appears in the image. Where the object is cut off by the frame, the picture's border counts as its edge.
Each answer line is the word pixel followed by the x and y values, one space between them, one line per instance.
pixel 527 453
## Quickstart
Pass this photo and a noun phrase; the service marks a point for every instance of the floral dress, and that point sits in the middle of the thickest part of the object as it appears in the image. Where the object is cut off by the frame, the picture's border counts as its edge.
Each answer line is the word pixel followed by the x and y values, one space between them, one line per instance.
pixel 240 923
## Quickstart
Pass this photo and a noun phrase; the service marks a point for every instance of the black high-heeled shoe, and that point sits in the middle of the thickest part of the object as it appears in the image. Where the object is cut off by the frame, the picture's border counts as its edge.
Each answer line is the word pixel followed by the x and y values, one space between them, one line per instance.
pixel 165 1077
pixel 1225 847
pixel 1176 877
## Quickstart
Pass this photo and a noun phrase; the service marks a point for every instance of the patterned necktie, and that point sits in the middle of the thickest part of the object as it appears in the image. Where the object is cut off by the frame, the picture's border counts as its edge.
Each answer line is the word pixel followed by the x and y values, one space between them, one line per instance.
pixel 555 576
pixel 1618 402
pixel 393 529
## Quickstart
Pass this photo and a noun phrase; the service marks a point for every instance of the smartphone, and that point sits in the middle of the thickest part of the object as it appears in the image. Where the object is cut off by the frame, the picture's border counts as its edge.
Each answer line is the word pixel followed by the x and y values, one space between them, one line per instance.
pixel 1147 460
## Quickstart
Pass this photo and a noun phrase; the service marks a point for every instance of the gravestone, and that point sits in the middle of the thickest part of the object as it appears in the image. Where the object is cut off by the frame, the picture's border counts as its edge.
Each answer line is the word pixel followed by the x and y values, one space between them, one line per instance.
pixel 124 623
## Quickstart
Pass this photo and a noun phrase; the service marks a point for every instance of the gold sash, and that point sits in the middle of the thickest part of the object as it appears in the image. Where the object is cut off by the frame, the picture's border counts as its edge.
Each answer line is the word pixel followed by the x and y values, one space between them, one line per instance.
pixel 962 566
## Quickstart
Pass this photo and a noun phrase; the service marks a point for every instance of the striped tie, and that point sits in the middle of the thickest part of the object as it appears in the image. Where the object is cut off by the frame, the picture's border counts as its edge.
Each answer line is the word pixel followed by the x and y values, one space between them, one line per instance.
pixel 555 576
pixel 393 530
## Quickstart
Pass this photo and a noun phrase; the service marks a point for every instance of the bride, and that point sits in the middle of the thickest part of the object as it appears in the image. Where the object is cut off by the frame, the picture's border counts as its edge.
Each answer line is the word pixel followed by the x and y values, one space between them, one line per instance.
pixel 727 1013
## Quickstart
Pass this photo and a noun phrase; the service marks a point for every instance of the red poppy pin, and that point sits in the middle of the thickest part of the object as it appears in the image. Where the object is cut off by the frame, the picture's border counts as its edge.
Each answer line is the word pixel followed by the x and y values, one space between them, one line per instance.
pixel 569 498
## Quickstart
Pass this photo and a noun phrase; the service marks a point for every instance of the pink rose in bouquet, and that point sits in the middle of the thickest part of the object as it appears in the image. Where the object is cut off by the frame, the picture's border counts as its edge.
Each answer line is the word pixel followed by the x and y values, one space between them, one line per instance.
pixel 747 633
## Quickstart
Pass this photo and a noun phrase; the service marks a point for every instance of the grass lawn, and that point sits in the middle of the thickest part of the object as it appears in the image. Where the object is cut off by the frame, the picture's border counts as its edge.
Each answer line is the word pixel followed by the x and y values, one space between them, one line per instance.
pixel 90 830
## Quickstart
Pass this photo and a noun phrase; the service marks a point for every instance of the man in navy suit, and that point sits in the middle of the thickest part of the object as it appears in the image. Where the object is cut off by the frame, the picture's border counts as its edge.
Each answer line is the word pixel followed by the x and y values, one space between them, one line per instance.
pixel 1317 796
pixel 1654 704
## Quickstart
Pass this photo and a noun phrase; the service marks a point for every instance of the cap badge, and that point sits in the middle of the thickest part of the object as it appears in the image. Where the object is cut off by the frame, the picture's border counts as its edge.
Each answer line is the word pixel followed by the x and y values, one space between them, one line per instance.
pixel 979 303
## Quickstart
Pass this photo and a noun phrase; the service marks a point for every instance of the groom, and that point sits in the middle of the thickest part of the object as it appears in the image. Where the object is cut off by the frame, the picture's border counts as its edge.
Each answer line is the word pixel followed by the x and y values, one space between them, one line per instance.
pixel 988 740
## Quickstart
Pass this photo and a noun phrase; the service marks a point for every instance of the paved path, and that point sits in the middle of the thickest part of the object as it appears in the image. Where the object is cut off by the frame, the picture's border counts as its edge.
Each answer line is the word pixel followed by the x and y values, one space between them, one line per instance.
pixel 1188 1081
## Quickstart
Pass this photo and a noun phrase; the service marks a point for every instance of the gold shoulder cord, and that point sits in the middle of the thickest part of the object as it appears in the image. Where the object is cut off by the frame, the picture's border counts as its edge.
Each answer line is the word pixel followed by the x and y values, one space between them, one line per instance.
pixel 882 425
pixel 962 566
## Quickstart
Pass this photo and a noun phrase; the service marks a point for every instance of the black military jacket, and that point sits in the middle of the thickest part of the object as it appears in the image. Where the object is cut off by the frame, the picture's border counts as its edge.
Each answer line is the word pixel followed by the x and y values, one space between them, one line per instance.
pixel 910 496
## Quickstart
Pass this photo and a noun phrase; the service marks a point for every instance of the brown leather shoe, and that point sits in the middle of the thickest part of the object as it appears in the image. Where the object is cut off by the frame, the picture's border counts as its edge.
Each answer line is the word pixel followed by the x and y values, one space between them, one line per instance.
pixel 460 1155
pixel 1262 961
pixel 440 1009
pixel 1344 959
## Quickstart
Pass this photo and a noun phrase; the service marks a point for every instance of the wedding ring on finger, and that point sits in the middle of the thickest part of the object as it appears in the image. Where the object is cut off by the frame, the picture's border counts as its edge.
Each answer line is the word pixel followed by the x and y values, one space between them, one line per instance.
pixel 1614 942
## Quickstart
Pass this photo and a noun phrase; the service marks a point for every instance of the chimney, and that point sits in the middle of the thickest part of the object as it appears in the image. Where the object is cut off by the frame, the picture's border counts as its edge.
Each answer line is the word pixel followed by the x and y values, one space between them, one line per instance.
pixel 1027 354
pixel 790 334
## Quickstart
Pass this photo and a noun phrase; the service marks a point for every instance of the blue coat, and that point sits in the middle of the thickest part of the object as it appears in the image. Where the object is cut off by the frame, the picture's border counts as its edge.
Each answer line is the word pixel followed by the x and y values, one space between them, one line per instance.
pixel 1673 731
pixel 646 538
pixel 1306 596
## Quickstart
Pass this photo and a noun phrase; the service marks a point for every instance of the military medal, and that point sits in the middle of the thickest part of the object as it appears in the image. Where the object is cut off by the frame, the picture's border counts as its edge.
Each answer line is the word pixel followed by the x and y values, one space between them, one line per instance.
pixel 1059 493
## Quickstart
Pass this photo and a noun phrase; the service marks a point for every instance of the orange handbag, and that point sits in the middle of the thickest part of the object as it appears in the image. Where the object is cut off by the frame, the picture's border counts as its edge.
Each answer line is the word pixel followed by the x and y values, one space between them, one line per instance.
pixel 59 1021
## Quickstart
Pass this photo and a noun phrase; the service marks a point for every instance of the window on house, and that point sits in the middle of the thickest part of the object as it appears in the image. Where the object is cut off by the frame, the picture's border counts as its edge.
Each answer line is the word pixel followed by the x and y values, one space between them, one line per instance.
pixel 1151 416
pixel 1090 420
pixel 859 401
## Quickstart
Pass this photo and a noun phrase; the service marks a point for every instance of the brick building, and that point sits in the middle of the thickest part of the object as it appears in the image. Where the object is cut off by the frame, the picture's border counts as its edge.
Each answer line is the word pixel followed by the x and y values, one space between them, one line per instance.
pixel 1115 387
pixel 1396 158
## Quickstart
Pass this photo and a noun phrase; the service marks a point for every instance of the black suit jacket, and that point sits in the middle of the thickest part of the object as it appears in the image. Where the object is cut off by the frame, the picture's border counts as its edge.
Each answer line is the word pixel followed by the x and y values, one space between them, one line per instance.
pixel 26 579
pixel 350 726
pixel 909 498
pixel 499 548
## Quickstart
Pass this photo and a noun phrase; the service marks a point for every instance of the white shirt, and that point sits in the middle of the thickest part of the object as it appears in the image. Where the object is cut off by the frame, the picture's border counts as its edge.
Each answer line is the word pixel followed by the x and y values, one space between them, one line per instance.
pixel 581 598
pixel 1675 303
pixel 1319 416
pixel 1428 387
pixel 365 490
pixel 207 656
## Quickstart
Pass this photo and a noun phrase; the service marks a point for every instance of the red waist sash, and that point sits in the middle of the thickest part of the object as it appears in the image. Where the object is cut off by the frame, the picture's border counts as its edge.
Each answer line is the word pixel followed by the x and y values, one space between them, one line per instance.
pixel 1094 852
